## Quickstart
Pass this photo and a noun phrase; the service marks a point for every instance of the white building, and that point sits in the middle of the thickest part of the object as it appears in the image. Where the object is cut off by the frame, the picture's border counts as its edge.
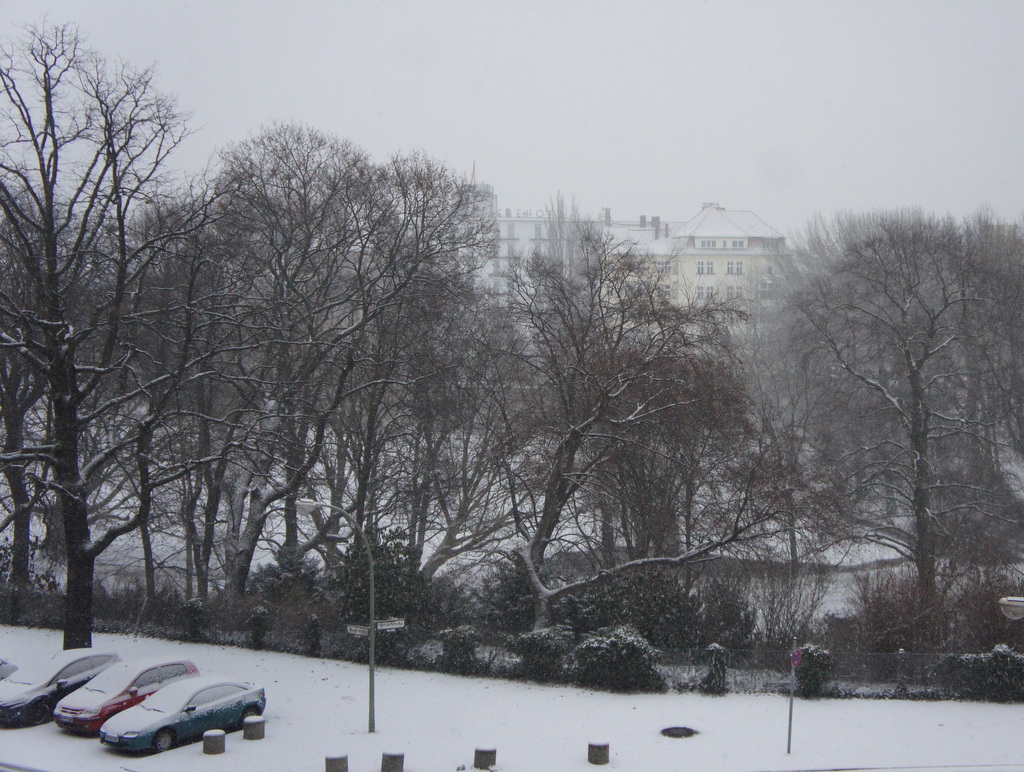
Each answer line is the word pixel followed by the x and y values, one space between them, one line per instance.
pixel 719 252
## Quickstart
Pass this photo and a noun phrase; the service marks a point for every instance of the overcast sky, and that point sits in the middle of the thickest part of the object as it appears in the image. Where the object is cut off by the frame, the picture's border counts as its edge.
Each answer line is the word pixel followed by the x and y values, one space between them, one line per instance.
pixel 785 108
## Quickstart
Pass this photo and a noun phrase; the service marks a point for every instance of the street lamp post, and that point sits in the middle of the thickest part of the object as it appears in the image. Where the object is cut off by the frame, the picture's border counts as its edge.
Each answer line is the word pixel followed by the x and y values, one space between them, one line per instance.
pixel 307 506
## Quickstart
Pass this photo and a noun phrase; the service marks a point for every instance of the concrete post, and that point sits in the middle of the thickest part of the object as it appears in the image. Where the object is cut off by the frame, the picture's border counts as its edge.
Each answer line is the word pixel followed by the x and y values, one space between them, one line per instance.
pixel 484 759
pixel 392 762
pixel 254 728
pixel 336 764
pixel 213 741
pixel 597 754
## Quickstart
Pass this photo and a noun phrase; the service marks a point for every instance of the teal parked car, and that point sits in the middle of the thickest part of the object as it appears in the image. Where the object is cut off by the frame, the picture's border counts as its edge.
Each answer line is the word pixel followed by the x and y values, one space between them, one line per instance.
pixel 182 711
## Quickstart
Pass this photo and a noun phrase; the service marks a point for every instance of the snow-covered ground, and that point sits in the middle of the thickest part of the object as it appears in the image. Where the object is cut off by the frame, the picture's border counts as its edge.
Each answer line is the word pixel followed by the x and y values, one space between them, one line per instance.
pixel 318 708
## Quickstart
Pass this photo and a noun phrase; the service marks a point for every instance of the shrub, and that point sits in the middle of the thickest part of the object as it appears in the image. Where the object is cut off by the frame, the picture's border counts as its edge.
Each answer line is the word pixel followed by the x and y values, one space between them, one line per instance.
pixel 312 643
pixel 504 600
pixel 654 602
pixel 997 676
pixel 714 682
pixel 619 659
pixel 814 672
pixel 458 654
pixel 725 614
pixel 258 625
pixel 195 617
pixel 542 653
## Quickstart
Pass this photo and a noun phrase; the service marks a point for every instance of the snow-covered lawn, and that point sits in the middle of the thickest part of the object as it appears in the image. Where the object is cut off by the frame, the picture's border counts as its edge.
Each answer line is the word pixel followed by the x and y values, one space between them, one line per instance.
pixel 318 708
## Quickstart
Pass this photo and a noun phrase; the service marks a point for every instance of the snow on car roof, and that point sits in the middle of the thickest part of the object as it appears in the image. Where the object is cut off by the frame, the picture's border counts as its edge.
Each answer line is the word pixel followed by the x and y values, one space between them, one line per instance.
pixel 171 696
pixel 118 675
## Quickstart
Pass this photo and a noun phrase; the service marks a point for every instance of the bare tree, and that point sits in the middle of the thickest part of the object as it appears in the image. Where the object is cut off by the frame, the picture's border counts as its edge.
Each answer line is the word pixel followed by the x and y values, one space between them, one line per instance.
pixel 333 246
pixel 82 147
pixel 606 357
pixel 887 308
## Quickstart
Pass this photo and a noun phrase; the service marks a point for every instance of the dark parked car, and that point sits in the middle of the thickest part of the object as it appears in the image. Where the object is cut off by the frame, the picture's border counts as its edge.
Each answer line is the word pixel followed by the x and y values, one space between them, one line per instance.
pixel 183 711
pixel 118 688
pixel 29 694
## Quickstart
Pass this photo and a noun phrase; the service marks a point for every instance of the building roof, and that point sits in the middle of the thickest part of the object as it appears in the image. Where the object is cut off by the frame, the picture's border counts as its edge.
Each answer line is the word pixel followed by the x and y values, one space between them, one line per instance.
pixel 716 221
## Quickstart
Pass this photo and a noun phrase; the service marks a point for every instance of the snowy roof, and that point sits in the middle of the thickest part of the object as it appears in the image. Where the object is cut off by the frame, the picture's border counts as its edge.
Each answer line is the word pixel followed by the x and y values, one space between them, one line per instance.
pixel 715 221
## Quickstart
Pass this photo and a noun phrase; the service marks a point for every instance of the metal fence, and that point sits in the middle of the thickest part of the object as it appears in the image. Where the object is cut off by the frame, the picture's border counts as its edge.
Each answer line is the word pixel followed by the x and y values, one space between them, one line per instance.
pixel 766 671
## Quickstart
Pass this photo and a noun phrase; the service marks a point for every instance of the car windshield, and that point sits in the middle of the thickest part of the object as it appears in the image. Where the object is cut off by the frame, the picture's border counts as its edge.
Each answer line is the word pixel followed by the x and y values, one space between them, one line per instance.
pixel 114 679
pixel 35 674
pixel 168 700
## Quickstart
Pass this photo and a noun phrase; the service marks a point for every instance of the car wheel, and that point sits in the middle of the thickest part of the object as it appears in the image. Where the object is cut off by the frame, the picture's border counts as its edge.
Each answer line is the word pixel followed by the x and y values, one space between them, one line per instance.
pixel 39 713
pixel 251 710
pixel 163 741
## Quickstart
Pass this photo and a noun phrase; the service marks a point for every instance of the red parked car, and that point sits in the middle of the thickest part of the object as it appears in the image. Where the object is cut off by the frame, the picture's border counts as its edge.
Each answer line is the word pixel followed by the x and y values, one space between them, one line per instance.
pixel 117 688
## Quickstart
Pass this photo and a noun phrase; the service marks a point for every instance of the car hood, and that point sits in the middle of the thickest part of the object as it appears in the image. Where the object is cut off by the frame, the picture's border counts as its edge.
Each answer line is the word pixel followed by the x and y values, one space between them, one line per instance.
pixel 13 692
pixel 136 719
pixel 85 698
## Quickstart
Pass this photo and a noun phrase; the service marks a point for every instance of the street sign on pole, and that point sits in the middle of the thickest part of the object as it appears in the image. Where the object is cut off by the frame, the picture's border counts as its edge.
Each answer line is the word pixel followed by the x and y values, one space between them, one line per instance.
pixel 796 657
pixel 362 630
pixel 390 624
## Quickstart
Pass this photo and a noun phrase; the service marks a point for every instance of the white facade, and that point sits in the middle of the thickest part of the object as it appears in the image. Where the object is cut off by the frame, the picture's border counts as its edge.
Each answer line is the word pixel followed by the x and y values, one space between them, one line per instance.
pixel 718 253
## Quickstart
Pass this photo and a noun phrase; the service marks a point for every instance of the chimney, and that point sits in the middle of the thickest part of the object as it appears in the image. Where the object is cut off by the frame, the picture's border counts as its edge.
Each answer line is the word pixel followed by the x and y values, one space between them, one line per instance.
pixel 607 217
pixel 656 222
pixel 643 221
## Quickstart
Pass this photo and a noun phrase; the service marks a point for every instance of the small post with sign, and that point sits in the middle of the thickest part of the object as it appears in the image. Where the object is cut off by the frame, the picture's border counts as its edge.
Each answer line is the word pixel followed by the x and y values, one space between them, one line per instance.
pixel 794 663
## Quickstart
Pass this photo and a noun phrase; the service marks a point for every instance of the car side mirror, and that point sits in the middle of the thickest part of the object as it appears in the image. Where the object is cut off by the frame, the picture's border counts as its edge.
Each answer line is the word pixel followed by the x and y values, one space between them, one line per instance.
pixel 190 708
pixel 62 683
pixel 133 691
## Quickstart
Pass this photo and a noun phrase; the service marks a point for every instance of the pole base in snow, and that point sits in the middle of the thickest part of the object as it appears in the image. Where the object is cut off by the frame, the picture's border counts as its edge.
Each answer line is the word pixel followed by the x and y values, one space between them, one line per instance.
pixel 392 762
pixel 597 754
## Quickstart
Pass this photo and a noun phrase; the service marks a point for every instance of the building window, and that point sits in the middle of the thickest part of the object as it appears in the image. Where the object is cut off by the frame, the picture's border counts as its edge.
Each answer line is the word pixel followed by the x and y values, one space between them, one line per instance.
pixel 734 291
pixel 734 268
pixel 705 267
pixel 511 230
pixel 772 243
pixel 708 244
pixel 738 245
pixel 537 231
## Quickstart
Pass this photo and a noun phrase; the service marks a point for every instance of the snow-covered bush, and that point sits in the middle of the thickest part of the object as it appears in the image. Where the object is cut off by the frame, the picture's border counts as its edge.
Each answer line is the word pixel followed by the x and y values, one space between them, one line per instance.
pixel 312 637
pixel 258 625
pixel 195 617
pixel 542 653
pixel 815 671
pixel 714 682
pixel 619 659
pixel 458 652
pixel 997 676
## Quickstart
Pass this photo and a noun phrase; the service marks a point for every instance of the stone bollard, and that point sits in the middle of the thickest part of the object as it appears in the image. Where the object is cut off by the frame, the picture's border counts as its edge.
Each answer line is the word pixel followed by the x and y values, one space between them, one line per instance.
pixel 213 741
pixel 484 759
pixel 597 754
pixel 392 762
pixel 336 764
pixel 254 728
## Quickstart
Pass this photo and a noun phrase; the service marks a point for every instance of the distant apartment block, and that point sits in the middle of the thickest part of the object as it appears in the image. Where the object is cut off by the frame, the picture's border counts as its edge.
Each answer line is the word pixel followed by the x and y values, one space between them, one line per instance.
pixel 719 252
